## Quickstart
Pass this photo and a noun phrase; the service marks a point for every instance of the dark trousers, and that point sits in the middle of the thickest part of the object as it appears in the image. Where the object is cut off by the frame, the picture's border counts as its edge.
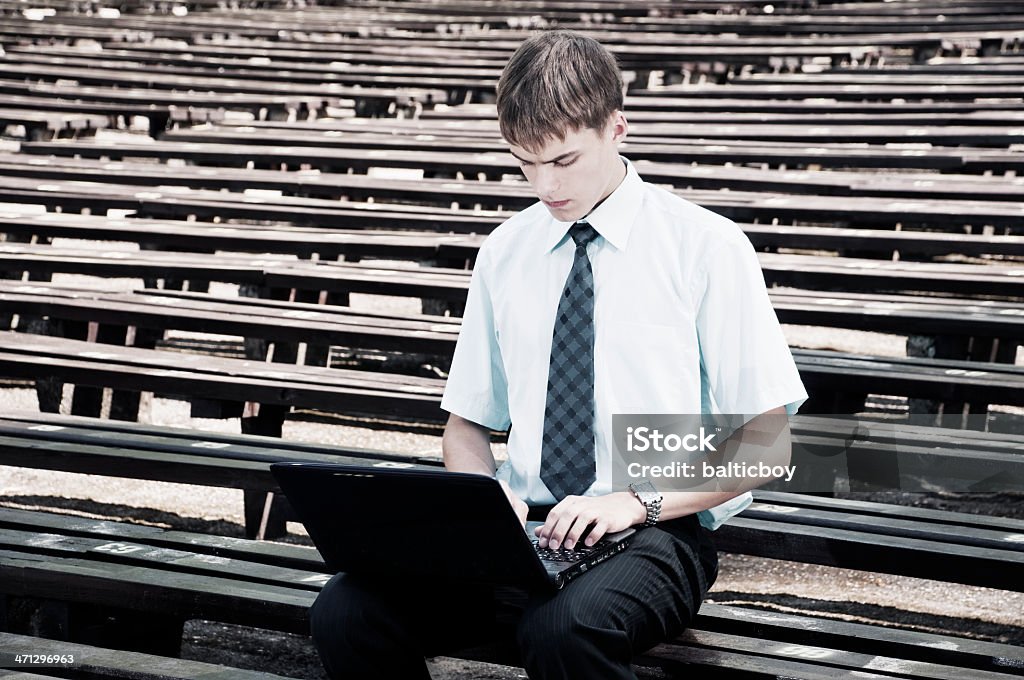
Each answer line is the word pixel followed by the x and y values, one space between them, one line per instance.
pixel 592 628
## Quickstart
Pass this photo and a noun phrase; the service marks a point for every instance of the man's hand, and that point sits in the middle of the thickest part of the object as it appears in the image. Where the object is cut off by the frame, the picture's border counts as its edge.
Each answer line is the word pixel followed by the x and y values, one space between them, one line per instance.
pixel 606 514
pixel 518 504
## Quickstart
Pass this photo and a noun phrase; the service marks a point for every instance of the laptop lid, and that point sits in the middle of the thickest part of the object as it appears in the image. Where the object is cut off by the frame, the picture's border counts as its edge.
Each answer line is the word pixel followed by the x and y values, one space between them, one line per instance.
pixel 403 523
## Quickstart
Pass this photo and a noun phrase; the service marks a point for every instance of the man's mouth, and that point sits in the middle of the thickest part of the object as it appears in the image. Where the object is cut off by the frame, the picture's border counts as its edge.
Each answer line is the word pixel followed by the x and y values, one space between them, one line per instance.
pixel 556 204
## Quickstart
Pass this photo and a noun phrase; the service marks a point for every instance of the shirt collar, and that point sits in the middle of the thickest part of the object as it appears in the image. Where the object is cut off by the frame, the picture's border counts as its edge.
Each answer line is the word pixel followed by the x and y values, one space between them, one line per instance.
pixel 613 218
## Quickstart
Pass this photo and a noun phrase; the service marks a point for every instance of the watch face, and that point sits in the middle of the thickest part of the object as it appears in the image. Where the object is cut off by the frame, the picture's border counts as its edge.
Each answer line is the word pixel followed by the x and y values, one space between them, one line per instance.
pixel 643 487
pixel 646 492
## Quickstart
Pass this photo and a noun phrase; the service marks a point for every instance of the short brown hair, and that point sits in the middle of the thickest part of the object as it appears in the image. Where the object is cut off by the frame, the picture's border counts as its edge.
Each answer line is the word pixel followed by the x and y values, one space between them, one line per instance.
pixel 557 82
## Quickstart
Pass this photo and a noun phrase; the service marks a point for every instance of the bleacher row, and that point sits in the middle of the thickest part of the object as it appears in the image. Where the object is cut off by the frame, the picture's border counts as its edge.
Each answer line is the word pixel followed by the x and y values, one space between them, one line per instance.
pixel 259 169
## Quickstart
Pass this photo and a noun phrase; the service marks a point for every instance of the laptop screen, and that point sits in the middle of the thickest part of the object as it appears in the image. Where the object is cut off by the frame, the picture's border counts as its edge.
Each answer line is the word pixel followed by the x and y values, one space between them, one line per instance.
pixel 388 522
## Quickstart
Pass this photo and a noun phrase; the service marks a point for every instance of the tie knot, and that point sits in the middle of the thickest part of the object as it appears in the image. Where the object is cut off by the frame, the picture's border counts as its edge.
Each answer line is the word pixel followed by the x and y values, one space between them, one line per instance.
pixel 582 233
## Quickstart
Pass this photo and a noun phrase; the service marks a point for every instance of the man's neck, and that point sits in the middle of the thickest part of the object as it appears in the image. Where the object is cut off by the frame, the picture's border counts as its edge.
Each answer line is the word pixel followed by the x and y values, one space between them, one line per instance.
pixel 618 183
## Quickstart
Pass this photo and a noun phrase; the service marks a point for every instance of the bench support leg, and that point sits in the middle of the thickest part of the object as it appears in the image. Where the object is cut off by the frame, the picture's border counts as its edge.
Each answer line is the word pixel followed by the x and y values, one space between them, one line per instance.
pixel 171 283
pixel 124 404
pixel 443 307
pixel 126 629
pixel 49 390
pixel 266 515
pixel 316 355
pixel 14 273
pixel 96 625
pixel 263 515
pixel 339 299
pixel 34 616
pixel 87 400
pixel 999 350
pixel 945 347
pixel 255 348
pixel 951 413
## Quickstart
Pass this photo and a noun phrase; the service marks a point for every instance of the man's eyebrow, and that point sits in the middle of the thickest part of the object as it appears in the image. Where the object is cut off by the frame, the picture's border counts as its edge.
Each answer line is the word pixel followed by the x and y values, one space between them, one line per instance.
pixel 556 159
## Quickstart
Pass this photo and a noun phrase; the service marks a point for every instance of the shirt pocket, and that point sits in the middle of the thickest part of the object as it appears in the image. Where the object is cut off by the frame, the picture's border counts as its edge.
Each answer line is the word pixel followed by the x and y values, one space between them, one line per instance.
pixel 648 368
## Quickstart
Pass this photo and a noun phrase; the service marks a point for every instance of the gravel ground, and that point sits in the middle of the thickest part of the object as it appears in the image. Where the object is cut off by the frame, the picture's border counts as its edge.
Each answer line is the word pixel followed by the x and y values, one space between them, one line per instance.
pixel 782 586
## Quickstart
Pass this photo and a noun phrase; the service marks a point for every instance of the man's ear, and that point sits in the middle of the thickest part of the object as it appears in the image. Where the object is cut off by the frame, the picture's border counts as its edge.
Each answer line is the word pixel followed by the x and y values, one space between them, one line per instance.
pixel 619 126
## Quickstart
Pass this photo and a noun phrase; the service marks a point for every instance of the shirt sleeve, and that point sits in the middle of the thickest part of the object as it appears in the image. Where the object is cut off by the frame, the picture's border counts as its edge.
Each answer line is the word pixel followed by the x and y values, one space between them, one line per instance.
pixel 477 388
pixel 746 365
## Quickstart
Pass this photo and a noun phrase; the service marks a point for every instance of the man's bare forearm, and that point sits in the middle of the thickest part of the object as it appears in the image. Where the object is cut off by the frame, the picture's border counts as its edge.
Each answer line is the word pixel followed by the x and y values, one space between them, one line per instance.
pixel 765 438
pixel 467 447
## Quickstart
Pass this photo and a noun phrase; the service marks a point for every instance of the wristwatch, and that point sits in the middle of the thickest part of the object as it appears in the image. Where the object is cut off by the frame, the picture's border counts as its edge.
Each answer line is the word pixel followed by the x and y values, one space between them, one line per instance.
pixel 651 498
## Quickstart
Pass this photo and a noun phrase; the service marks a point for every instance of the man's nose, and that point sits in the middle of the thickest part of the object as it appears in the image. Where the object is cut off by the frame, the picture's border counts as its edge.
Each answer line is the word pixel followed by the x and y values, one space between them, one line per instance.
pixel 545 183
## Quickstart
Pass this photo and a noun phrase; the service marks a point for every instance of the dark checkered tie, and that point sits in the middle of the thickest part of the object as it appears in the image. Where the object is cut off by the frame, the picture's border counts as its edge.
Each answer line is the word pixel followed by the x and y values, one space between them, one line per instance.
pixel 567 454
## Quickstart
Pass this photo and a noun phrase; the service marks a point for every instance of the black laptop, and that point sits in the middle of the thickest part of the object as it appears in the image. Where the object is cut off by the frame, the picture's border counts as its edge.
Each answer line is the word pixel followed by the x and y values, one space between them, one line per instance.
pixel 392 522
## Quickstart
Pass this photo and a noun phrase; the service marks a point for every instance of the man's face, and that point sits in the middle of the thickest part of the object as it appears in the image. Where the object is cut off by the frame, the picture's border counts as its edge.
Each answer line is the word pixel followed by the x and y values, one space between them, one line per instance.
pixel 574 174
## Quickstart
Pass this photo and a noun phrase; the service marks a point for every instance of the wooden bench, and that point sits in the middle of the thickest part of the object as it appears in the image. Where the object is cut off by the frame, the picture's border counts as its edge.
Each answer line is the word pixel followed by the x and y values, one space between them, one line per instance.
pixel 107 663
pixel 820 530
pixel 489 194
pixel 238 57
pixel 634 55
pixel 240 582
pixel 269 319
pixel 145 202
pixel 652 105
pixel 43 125
pixel 118 114
pixel 741 206
pixel 304 242
pixel 892 77
pixel 277 320
pixel 480 121
pixel 849 651
pixel 823 130
pixel 807 272
pixel 440 247
pixel 435 284
pixel 109 564
pixel 407 90
pixel 811 23
pixel 423 345
pixel 368 53
pixel 887 313
pixel 167 310
pixel 260 105
pixel 720 646
pixel 837 382
pixel 924 456
pixel 378 100
pixel 989 127
pixel 716 152
pixel 986 323
pixel 884 93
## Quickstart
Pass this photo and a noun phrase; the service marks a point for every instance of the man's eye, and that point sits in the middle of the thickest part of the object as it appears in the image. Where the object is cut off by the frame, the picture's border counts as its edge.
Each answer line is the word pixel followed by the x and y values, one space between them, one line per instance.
pixel 565 164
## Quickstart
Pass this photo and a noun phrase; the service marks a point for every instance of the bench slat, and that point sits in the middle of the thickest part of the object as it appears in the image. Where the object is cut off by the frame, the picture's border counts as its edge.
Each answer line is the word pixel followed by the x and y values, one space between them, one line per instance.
pixel 110 663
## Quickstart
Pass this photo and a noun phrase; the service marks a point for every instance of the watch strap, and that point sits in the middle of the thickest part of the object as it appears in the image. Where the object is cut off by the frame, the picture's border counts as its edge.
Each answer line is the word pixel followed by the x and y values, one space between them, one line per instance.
pixel 651 500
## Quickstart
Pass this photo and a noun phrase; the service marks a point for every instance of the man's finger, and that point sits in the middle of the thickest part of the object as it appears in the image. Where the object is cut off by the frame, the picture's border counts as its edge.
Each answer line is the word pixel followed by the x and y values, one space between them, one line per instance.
pixel 583 520
pixel 598 531
pixel 560 530
pixel 544 531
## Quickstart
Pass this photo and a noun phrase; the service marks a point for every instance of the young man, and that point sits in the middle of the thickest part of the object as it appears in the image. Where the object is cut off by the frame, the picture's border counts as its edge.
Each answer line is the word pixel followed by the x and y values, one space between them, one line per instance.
pixel 608 296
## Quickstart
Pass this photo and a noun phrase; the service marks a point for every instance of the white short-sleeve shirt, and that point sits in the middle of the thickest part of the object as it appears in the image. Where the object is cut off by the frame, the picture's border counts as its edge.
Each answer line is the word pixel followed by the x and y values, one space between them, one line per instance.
pixel 683 324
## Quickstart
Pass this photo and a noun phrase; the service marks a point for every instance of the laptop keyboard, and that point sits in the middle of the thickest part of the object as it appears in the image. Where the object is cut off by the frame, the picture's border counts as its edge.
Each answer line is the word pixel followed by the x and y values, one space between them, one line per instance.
pixel 563 555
